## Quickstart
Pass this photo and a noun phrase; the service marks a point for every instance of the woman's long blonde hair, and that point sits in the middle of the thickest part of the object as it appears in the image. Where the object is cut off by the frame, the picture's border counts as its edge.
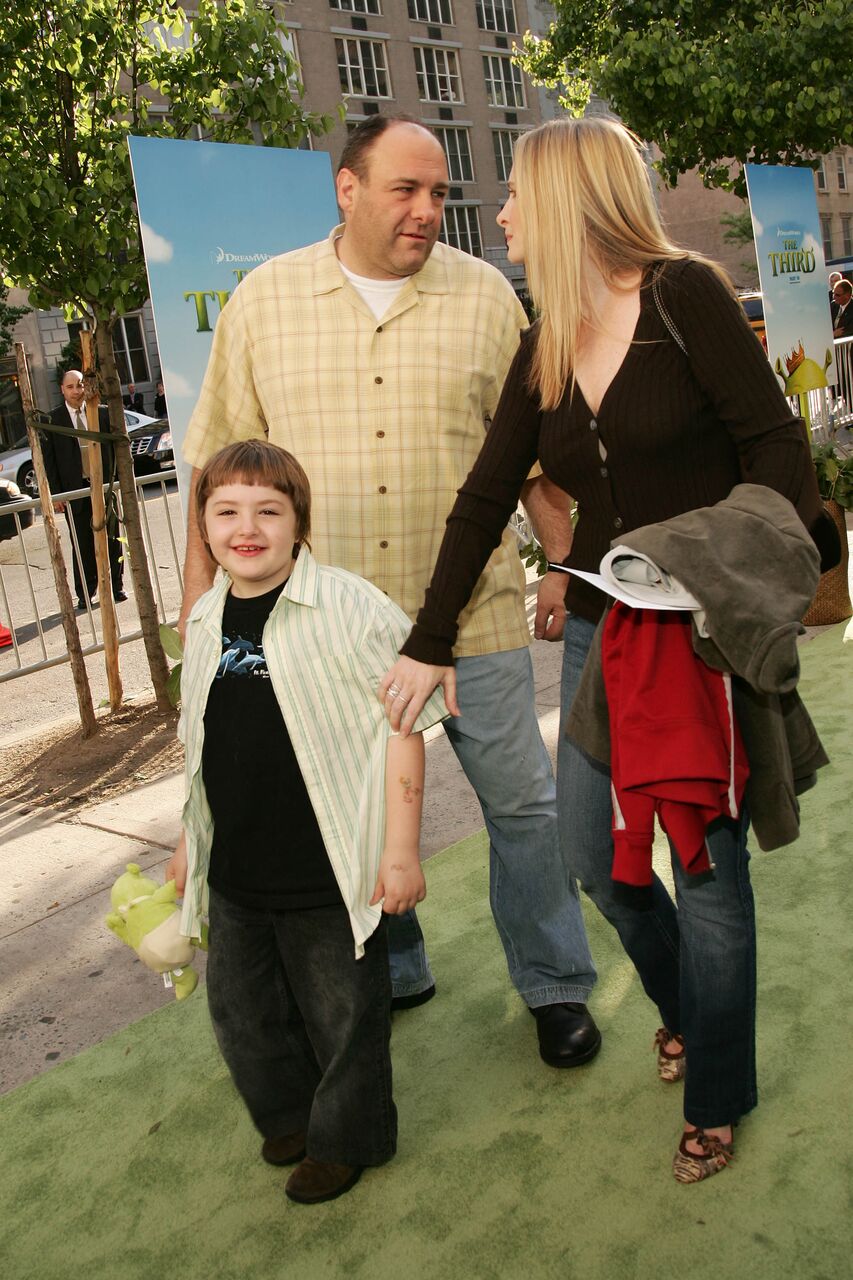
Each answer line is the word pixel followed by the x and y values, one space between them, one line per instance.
pixel 583 192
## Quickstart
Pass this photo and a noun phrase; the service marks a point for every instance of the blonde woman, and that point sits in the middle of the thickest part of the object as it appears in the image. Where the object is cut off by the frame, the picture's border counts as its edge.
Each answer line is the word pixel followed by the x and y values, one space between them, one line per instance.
pixel 639 430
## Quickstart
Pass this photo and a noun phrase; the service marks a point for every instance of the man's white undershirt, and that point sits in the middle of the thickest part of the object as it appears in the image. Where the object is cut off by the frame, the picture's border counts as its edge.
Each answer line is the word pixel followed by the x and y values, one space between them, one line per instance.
pixel 378 294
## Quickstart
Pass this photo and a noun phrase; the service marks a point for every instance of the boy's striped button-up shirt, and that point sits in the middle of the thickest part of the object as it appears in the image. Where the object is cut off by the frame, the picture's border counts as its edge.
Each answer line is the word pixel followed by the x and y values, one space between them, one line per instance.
pixel 328 641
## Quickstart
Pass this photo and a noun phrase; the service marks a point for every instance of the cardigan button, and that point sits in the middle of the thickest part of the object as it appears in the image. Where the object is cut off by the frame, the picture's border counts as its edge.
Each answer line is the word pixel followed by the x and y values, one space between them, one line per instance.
pixel 593 425
pixel 604 471
pixel 617 523
pixel 383 544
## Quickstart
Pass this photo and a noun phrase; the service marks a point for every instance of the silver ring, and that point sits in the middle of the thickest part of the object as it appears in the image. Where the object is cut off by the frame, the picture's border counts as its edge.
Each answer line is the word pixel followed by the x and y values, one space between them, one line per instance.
pixel 394 690
pixel 402 695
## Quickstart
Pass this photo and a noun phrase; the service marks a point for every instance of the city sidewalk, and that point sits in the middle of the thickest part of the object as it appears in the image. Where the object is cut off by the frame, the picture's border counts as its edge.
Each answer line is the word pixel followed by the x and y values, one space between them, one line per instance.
pixel 67 981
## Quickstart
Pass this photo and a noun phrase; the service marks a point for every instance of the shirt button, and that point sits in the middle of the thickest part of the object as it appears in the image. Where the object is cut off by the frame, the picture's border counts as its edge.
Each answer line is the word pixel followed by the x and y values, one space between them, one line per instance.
pixel 379 330
pixel 381 435
pixel 377 380
pixel 604 471
pixel 593 425
pixel 617 523
pixel 382 489
pixel 383 544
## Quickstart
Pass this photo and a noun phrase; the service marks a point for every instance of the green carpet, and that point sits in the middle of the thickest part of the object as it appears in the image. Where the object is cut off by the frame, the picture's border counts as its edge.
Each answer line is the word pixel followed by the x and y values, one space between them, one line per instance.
pixel 136 1161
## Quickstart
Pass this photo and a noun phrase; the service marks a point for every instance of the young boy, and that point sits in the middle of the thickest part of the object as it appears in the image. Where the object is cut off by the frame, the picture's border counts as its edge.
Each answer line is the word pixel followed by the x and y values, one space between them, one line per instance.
pixel 302 816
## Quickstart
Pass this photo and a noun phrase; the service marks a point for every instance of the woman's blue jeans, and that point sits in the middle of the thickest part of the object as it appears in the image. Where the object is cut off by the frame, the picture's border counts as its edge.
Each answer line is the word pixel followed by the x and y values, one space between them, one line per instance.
pixel 696 963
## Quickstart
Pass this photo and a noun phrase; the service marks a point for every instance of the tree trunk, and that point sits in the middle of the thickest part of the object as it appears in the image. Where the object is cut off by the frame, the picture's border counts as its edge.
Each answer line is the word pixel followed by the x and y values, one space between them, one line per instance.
pixel 135 543
pixel 63 592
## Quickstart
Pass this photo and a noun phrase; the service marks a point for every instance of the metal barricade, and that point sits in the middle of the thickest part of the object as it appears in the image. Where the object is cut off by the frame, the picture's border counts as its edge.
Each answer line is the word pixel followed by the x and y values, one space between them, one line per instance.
pixel 28 602
pixel 831 408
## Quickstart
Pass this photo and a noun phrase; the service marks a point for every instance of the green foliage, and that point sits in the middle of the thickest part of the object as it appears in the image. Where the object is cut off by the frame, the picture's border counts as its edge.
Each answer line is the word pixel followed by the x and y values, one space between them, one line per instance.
pixel 834 472
pixel 172 647
pixel 534 557
pixel 75 80
pixel 9 317
pixel 709 82
pixel 738 230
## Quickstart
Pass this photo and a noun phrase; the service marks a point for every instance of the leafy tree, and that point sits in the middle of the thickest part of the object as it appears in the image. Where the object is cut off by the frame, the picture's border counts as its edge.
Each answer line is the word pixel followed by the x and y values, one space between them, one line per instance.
pixel 9 317
pixel 75 80
pixel 738 230
pixel 708 81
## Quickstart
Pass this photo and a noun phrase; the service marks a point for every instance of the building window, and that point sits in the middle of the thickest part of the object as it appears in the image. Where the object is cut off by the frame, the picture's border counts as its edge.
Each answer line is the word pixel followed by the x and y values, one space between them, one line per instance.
pixel 496 15
pixel 457 148
pixel 129 350
pixel 363 69
pixel 356 6
pixel 437 11
pixel 820 175
pixel 504 85
pixel 841 171
pixel 504 141
pixel 438 74
pixel 846 235
pixel 460 227
pixel 826 234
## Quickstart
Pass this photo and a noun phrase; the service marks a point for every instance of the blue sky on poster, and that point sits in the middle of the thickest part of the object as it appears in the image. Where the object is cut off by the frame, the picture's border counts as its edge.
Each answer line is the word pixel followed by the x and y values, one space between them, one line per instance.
pixel 791 265
pixel 209 210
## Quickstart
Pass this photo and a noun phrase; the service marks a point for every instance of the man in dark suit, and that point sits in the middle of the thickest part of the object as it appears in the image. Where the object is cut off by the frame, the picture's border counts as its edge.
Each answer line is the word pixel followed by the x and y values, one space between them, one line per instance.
pixel 133 400
pixel 66 462
pixel 842 319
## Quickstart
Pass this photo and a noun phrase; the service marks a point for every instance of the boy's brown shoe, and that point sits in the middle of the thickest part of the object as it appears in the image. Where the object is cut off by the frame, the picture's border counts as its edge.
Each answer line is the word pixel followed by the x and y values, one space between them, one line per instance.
pixel 285 1150
pixel 314 1181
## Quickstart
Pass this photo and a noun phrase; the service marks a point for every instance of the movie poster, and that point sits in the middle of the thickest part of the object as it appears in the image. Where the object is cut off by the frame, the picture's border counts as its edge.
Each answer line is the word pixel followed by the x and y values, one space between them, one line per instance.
pixel 210 212
pixel 794 282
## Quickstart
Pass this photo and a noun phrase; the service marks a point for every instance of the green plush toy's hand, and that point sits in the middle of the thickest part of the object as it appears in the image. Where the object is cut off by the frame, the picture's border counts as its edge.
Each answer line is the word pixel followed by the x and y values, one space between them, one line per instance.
pixel 118 924
pixel 201 942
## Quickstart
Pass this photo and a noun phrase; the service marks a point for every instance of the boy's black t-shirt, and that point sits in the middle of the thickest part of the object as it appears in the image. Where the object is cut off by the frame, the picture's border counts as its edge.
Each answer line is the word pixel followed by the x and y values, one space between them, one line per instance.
pixel 267 848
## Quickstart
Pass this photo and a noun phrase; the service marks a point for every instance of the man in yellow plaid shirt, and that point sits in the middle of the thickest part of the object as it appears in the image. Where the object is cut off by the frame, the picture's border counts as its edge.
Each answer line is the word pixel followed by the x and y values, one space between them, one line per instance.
pixel 375 357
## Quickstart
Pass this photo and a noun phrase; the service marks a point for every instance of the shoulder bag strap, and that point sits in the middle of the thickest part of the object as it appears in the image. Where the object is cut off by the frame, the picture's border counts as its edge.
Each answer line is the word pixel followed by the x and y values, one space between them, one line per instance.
pixel 662 311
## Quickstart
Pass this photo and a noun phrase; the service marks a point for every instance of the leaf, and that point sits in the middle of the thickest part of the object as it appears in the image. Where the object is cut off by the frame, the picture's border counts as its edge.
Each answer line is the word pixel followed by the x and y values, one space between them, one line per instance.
pixel 171 642
pixel 173 685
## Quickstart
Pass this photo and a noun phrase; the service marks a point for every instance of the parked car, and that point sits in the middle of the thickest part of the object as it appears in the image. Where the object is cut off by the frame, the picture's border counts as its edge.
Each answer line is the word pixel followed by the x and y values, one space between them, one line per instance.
pixel 753 306
pixel 150 444
pixel 10 494
pixel 16 464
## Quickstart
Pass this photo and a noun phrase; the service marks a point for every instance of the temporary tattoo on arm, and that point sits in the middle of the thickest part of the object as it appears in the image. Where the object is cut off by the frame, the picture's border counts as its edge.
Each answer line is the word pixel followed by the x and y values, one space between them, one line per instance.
pixel 409 792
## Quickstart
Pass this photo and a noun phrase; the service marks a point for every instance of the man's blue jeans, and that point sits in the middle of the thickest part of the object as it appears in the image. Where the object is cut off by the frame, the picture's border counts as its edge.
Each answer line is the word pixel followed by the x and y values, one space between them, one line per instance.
pixel 534 902
pixel 697 964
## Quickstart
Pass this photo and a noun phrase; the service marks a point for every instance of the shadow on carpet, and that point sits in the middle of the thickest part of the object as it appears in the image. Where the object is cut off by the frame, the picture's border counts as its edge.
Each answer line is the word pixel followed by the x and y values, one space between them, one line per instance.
pixel 136 1159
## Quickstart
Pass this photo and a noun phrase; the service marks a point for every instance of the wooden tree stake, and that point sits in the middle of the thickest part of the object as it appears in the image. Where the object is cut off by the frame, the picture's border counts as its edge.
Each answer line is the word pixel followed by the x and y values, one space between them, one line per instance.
pixel 102 553
pixel 63 592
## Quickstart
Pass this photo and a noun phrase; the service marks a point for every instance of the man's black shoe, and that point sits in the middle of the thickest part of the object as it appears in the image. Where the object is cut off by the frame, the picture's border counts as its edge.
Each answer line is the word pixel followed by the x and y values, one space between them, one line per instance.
pixel 119 596
pixel 412 1002
pixel 568 1036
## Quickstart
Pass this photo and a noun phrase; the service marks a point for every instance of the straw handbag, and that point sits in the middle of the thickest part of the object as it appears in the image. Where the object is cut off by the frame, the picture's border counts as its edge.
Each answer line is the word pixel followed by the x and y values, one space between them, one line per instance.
pixel 832 599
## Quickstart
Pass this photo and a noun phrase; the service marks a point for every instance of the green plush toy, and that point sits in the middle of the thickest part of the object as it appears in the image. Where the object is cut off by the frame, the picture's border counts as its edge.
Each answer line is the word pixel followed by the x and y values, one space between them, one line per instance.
pixel 146 916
